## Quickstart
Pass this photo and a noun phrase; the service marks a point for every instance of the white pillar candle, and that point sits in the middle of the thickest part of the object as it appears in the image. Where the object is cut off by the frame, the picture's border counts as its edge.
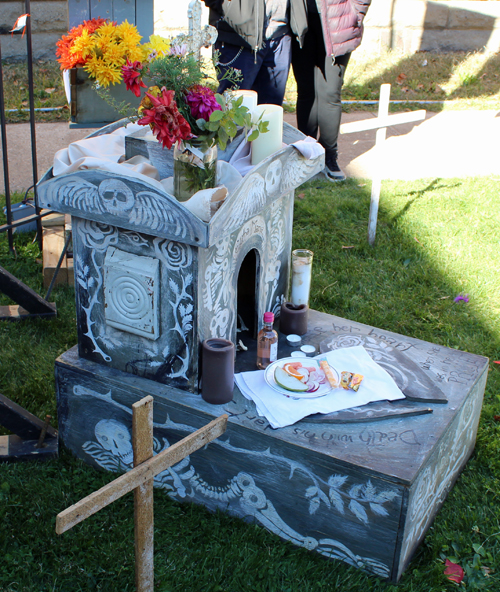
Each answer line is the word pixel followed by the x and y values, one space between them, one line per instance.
pixel 249 98
pixel 301 276
pixel 272 141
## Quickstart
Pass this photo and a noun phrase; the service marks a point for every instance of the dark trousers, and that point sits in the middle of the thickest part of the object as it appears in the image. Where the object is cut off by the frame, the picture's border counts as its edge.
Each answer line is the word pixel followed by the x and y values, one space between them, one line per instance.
pixel 265 72
pixel 319 85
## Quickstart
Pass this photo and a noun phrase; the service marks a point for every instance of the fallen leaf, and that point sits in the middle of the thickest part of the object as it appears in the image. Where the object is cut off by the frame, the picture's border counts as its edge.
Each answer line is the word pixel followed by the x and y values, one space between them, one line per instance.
pixel 405 89
pixel 351 247
pixel 453 572
pixel 24 103
pixel 496 418
pixel 421 86
pixel 438 89
pixel 415 238
pixel 362 185
pixel 444 297
pixel 50 90
pixel 401 78
pixel 301 195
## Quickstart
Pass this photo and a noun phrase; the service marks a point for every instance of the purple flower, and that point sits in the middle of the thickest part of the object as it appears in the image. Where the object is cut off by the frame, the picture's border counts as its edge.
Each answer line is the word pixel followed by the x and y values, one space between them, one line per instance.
pixel 179 50
pixel 202 102
pixel 464 297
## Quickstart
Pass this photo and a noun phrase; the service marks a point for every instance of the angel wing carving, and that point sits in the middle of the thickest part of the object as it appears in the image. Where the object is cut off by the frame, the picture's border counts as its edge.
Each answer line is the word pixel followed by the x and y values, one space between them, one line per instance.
pixel 79 194
pixel 298 170
pixel 249 201
pixel 151 212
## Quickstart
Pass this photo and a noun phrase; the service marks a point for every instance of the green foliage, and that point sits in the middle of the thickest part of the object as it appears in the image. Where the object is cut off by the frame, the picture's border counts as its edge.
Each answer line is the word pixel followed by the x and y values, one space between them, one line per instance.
pixel 221 128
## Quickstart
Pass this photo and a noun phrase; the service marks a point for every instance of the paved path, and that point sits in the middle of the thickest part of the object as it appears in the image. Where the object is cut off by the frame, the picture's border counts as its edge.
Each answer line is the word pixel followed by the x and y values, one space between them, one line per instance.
pixel 447 144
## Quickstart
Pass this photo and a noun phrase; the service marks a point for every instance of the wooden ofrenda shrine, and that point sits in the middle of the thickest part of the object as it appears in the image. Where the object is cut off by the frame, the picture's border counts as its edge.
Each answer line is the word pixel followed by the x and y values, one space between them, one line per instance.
pixel 152 282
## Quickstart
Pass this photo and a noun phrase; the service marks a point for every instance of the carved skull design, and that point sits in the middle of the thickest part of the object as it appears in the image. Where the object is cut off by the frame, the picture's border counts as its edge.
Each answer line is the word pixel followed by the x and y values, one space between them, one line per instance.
pixel 116 197
pixel 114 437
pixel 273 177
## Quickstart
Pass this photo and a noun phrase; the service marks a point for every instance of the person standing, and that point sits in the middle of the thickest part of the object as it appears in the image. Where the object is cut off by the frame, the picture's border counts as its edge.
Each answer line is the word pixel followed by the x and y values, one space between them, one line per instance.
pixel 254 36
pixel 335 29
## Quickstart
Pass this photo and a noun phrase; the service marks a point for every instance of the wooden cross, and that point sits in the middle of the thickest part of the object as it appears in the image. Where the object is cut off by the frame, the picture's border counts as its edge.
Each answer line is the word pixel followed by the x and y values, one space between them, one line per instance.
pixel 140 480
pixel 381 123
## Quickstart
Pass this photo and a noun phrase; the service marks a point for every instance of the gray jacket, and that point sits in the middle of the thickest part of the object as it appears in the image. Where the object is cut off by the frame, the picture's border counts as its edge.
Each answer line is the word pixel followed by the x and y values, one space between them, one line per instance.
pixel 241 22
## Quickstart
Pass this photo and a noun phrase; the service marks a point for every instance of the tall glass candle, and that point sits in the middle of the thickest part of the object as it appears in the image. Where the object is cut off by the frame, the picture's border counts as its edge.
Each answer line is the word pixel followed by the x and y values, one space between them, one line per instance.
pixel 301 276
pixel 249 98
pixel 272 141
pixel 217 382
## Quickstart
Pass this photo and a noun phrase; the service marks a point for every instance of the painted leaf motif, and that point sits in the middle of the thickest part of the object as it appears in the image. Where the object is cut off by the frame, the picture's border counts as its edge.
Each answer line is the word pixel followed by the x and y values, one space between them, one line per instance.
pixel 337 500
pixel 378 509
pixel 358 510
pixel 311 491
pixel 384 496
pixel 355 491
pixel 314 505
pixel 173 286
pixel 336 481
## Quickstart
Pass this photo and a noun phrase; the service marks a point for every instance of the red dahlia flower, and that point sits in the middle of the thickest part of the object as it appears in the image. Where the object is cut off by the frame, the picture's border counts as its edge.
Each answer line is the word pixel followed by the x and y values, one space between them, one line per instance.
pixel 132 77
pixel 163 117
pixel 202 102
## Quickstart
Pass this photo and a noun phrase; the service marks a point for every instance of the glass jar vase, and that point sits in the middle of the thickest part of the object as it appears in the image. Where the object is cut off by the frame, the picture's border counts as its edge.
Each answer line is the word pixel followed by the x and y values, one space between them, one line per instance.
pixel 195 168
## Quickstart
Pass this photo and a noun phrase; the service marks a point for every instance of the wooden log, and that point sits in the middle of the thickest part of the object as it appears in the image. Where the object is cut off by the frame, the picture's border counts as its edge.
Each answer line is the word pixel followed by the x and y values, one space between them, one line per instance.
pixel 142 442
pixel 139 475
pixel 53 245
pixel 24 296
pixel 21 422
pixel 15 449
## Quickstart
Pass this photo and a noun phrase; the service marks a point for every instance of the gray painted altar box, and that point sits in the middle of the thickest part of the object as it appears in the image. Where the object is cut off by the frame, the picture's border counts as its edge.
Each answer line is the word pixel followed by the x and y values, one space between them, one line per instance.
pixel 362 486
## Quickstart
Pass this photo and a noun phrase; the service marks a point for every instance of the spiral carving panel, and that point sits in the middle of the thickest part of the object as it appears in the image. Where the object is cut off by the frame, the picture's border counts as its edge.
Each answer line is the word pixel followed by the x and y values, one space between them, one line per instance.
pixel 131 290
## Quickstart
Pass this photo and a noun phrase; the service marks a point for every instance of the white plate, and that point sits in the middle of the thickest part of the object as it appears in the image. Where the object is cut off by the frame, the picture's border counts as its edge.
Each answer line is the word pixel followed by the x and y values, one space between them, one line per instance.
pixel 323 390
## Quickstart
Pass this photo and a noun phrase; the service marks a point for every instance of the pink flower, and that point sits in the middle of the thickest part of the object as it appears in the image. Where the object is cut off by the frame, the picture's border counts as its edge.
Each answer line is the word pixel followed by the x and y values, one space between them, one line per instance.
pixel 132 77
pixel 454 572
pixel 163 117
pixel 202 102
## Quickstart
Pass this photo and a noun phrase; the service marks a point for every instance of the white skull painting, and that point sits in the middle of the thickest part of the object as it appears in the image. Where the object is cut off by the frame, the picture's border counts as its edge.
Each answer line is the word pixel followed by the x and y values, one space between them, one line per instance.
pixel 273 177
pixel 114 437
pixel 116 197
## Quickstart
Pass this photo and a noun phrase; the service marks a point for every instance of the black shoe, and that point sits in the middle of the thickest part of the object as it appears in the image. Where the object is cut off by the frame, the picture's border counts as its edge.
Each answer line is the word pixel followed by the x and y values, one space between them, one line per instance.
pixel 332 171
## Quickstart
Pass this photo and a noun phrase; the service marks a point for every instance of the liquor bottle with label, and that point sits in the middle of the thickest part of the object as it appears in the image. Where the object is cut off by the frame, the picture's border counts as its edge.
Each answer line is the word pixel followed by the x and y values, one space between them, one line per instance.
pixel 267 343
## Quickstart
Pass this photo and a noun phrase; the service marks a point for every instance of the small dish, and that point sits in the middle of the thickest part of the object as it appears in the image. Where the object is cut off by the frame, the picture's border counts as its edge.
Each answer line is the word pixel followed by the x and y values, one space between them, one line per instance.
pixel 323 388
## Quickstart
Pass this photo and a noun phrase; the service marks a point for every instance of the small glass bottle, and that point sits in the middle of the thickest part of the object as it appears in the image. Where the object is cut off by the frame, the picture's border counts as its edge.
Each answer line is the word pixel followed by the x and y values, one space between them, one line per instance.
pixel 267 343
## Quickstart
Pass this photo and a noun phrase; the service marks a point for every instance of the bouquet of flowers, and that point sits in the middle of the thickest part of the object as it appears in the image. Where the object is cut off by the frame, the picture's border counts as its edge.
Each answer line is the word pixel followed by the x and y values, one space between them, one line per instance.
pixel 184 112
pixel 102 47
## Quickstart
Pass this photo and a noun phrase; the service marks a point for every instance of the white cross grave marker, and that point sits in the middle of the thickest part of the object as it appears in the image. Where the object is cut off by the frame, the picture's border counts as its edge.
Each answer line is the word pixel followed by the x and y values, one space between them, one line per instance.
pixel 380 123
pixel 198 37
pixel 140 480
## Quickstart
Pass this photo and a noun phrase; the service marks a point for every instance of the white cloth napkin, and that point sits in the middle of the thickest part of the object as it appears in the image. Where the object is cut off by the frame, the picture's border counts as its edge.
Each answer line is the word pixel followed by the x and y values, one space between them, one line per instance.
pixel 282 411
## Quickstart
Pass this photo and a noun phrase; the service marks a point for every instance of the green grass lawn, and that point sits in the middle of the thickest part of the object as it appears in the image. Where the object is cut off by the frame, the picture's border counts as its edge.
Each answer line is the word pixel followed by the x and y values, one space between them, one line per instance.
pixel 435 239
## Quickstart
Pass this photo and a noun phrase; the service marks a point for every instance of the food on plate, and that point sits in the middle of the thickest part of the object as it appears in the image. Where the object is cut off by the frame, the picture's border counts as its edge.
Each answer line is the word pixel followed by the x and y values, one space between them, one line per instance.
pixel 345 379
pixel 289 382
pixel 328 373
pixel 309 377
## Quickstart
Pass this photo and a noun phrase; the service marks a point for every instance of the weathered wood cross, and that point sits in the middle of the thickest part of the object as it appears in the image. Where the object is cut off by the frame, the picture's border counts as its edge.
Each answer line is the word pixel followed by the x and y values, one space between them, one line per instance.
pixel 140 480
pixel 380 123
pixel 198 36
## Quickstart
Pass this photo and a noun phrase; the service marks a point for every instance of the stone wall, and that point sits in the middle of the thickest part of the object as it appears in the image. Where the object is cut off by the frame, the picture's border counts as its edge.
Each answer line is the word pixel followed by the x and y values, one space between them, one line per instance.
pixel 407 25
pixel 421 25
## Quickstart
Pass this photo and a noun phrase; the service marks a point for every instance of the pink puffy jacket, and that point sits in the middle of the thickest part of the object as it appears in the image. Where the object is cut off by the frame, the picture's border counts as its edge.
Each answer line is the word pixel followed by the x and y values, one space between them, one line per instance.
pixel 342 22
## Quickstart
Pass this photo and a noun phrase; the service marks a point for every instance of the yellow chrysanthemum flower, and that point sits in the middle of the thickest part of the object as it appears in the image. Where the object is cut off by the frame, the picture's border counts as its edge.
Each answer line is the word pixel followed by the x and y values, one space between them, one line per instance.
pixel 106 30
pixel 128 34
pixel 104 73
pixel 156 47
pixel 115 55
pixel 83 45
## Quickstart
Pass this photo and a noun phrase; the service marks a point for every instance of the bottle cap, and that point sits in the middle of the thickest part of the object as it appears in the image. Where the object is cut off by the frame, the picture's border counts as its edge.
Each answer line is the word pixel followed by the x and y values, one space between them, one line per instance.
pixel 269 317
